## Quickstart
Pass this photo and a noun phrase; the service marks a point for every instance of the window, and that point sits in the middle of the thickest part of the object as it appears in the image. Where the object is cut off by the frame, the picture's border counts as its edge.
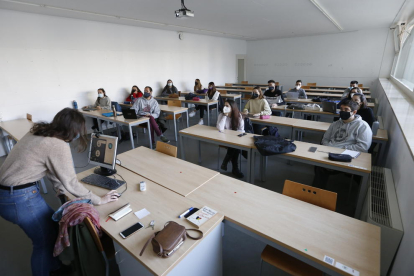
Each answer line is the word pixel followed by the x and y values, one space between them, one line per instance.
pixel 404 67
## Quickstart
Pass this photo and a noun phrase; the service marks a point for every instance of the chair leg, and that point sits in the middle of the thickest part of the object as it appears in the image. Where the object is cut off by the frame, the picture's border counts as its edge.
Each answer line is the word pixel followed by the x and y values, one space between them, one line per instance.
pixel 261 264
pixel 218 159
pixel 350 187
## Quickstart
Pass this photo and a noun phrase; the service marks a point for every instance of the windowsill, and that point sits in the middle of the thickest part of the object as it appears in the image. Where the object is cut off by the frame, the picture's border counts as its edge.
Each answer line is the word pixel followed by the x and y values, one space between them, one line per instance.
pixel 403 107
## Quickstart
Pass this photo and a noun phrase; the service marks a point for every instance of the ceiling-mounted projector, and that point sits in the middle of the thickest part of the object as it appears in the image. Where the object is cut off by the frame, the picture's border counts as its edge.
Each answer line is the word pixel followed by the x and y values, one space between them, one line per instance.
pixel 183 12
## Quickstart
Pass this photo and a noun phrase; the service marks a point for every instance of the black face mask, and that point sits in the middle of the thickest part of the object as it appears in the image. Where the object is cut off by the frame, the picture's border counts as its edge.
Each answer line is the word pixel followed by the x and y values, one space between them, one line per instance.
pixel 254 96
pixel 146 95
pixel 344 115
pixel 134 90
pixel 271 88
pixel 196 83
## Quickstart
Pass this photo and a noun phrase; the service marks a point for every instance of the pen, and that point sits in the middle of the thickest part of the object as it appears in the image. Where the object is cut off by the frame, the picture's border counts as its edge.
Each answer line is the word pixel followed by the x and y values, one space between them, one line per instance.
pixel 186 212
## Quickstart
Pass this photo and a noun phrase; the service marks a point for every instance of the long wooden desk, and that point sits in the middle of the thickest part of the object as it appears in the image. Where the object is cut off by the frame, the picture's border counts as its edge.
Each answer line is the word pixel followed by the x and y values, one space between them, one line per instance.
pixel 233 97
pixel 309 101
pixel 302 230
pixel 172 173
pixel 338 95
pixel 205 102
pixel 174 110
pixel 164 205
pixel 335 87
pixel 119 120
pixel 359 166
pixel 284 108
pixel 331 91
pixel 211 135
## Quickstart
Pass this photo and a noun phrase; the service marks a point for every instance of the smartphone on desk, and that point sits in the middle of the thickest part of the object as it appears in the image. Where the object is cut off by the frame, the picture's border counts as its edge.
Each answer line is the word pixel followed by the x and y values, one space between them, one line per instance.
pixel 312 149
pixel 131 230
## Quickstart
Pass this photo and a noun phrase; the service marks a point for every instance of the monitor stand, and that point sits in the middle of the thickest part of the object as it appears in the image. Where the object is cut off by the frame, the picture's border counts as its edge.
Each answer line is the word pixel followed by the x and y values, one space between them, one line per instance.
pixel 104 171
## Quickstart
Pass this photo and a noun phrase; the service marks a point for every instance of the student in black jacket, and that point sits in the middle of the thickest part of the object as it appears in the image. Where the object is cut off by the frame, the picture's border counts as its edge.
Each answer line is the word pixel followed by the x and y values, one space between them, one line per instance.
pixel 364 111
pixel 273 92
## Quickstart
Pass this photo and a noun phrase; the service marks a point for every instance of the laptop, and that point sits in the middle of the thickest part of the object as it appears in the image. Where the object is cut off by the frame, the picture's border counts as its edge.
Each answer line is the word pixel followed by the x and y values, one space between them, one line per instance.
pixel 274 100
pixel 329 107
pixel 129 113
pixel 292 95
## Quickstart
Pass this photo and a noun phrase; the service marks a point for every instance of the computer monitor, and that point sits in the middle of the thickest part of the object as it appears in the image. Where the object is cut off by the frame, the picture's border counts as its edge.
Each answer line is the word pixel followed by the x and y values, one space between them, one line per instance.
pixel 103 153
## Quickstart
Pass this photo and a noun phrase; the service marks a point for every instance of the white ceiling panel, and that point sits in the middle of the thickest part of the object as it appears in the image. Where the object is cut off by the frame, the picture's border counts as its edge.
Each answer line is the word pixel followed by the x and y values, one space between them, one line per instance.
pixel 244 19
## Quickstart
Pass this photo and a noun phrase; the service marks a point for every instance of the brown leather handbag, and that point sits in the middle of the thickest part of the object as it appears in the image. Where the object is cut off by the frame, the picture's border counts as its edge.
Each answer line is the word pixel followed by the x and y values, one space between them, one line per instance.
pixel 168 240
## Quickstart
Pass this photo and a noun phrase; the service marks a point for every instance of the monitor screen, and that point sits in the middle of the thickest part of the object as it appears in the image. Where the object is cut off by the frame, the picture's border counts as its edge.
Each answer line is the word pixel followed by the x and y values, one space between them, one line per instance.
pixel 103 151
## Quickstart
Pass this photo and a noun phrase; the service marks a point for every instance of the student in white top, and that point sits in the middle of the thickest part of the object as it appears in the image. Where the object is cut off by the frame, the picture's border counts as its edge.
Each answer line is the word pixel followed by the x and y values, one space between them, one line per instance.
pixel 212 94
pixel 231 118
pixel 256 106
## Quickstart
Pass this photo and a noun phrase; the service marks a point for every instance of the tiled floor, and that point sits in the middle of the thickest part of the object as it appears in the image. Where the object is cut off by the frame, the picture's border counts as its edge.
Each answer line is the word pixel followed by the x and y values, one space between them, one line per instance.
pixel 241 252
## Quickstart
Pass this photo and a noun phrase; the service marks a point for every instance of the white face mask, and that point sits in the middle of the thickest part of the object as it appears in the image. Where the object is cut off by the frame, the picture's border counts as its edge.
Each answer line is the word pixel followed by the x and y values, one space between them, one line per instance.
pixel 170 84
pixel 297 87
pixel 226 109
pixel 100 95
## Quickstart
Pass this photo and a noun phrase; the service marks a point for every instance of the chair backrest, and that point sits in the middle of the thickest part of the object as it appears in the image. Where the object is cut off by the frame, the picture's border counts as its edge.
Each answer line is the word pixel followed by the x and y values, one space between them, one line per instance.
pixel 166 149
pixel 173 103
pixel 277 83
pixel 305 87
pixel 29 116
pixel 92 230
pixel 309 194
pixel 360 85
pixel 245 82
pixel 311 84
pixel 117 106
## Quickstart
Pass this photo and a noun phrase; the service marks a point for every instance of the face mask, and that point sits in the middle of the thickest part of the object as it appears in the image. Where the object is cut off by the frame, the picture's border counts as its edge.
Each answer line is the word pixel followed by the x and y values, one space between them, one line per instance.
pixel 146 94
pixel 352 94
pixel 134 90
pixel 226 109
pixel 344 115
pixel 297 87
pixel 76 137
pixel 210 87
pixel 196 83
pixel 271 87
pixel 170 84
pixel 100 95
pixel 254 96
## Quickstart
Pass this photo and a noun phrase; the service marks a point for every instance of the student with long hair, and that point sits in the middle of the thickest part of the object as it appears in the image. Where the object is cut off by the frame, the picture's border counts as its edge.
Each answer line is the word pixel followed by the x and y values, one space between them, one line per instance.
pixel 169 89
pixel 212 94
pixel 256 106
pixel 197 85
pixel 231 118
pixel 135 94
pixel 102 102
pixel 44 151
pixel 364 111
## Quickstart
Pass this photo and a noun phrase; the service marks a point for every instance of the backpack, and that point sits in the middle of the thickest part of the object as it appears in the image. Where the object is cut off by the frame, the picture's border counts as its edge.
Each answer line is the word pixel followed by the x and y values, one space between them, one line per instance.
pixel 271 131
pixel 190 96
pixel 248 126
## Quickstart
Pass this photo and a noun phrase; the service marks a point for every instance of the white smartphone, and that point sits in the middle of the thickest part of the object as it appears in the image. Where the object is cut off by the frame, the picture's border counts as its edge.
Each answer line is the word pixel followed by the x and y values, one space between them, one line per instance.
pixel 131 230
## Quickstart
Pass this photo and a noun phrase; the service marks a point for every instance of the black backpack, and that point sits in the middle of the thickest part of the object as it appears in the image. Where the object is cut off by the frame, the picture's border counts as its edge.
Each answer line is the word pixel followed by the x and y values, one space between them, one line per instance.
pixel 248 126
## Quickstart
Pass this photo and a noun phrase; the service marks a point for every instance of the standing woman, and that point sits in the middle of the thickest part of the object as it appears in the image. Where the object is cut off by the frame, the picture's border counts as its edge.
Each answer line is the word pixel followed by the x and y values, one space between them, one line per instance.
pixel 169 89
pixel 43 151
pixel 197 86
pixel 212 94
pixel 257 106
pixel 231 118
pixel 102 102
pixel 135 94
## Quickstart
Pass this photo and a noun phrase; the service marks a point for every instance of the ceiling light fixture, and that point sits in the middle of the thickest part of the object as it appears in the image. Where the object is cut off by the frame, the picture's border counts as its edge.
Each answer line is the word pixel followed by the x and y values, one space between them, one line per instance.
pixel 314 2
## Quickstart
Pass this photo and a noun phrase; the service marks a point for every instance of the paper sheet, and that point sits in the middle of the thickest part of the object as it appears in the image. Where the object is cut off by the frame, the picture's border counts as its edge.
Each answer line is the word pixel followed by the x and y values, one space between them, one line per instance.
pixel 142 213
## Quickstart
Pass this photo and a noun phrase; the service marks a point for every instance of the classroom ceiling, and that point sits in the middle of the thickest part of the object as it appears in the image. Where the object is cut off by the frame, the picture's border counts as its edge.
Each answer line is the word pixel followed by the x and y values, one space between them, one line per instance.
pixel 241 19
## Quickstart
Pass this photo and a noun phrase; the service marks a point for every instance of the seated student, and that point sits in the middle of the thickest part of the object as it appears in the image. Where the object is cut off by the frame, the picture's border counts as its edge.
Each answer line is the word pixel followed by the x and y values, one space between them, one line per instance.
pixel 135 94
pixel 148 106
pixel 352 85
pixel 102 102
pixel 212 94
pixel 273 92
pixel 302 92
pixel 44 151
pixel 257 106
pixel 349 132
pixel 364 111
pixel 231 118
pixel 169 89
pixel 197 86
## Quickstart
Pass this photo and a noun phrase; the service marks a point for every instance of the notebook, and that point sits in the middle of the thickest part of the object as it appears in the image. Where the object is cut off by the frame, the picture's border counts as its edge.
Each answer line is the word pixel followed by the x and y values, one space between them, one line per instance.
pixel 201 216
pixel 353 153
pixel 120 213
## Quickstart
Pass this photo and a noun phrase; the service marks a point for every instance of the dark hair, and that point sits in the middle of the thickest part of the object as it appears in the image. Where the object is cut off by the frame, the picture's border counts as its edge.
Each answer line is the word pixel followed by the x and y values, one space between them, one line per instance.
pixel 260 91
pixel 235 114
pixel 271 81
pixel 354 82
pixel 350 103
pixel 138 90
pixel 66 125
pixel 149 88
pixel 299 81
pixel 212 91
pixel 364 103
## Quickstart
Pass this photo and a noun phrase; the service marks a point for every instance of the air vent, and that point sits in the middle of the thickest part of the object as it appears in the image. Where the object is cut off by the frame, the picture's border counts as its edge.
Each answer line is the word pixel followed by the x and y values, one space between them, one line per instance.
pixel 379 198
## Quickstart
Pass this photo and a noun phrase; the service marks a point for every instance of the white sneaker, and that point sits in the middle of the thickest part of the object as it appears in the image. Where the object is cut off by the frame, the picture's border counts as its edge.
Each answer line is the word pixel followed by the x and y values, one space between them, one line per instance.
pixel 201 122
pixel 192 113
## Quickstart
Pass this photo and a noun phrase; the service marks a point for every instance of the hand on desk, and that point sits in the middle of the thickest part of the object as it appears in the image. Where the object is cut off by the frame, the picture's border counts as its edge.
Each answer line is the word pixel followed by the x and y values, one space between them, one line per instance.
pixel 109 197
pixel 98 107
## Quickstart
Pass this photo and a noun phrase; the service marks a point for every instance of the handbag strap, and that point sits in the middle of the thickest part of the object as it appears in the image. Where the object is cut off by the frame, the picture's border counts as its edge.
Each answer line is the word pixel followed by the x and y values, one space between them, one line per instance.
pixel 200 237
pixel 146 244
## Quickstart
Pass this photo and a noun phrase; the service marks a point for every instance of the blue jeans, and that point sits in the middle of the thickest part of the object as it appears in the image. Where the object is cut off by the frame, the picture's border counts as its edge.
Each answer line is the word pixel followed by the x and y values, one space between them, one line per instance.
pixel 27 209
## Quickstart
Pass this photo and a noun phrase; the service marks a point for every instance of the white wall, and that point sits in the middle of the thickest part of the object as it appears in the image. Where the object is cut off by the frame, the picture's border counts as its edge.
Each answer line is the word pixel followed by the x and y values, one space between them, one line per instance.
pixel 334 59
pixel 46 62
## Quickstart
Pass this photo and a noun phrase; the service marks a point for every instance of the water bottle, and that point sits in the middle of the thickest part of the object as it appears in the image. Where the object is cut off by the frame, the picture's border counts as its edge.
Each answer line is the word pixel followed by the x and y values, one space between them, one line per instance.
pixel 75 105
pixel 375 127
pixel 132 98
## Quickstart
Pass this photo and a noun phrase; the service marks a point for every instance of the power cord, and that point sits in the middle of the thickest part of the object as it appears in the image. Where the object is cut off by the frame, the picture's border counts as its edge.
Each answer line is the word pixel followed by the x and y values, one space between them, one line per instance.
pixel 126 183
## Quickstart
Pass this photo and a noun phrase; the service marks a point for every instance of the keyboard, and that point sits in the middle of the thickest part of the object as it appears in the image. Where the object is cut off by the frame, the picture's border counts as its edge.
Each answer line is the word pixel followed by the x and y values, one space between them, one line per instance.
pixel 103 181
